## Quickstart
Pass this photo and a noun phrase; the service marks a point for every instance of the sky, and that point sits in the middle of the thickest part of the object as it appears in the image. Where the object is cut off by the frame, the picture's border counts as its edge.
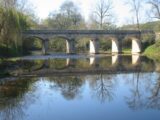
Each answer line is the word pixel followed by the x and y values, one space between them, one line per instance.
pixel 120 10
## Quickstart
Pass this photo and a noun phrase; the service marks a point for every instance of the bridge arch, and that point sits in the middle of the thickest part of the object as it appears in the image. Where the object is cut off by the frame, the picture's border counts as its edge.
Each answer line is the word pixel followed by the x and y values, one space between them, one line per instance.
pixel 82 43
pixel 135 44
pixel 69 42
pixel 35 40
pixel 116 43
pixel 57 44
pixel 30 37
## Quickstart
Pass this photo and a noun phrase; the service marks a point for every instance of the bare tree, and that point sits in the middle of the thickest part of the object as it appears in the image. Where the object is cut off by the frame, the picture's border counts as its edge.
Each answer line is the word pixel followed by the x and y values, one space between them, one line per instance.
pixel 68 17
pixel 136 8
pixel 21 5
pixel 102 12
pixel 155 8
pixel 103 88
pixel 68 8
pixel 8 3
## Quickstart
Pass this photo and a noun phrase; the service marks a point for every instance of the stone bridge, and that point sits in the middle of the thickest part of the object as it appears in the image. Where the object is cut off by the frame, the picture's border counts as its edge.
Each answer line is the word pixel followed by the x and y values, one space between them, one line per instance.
pixel 71 36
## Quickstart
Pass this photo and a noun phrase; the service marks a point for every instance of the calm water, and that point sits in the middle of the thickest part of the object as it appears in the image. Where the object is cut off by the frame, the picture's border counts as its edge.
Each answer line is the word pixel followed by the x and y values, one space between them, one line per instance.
pixel 80 88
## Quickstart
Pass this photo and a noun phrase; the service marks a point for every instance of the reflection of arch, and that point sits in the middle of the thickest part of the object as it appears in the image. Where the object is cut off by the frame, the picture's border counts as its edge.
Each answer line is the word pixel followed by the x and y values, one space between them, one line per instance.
pixel 115 59
pixel 94 61
pixel 135 59
pixel 70 62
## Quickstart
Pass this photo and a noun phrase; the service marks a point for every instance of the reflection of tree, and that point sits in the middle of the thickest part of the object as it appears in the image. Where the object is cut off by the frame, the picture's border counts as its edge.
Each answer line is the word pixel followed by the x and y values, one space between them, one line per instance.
pixel 103 88
pixel 135 101
pixel 13 99
pixel 154 99
pixel 68 85
pixel 144 94
pixel 13 111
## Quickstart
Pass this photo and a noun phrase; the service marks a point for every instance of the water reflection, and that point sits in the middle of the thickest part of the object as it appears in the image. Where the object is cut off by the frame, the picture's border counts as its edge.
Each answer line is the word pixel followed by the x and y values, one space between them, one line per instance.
pixel 102 87
pixel 135 59
pixel 93 65
pixel 129 83
pixel 70 62
pixel 17 97
pixel 13 98
pixel 116 59
pixel 69 86
pixel 154 98
pixel 144 93
pixel 94 62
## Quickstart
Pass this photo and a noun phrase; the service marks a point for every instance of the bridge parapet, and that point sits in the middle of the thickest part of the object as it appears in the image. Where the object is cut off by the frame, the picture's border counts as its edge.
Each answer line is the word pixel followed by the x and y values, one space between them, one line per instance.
pixel 83 32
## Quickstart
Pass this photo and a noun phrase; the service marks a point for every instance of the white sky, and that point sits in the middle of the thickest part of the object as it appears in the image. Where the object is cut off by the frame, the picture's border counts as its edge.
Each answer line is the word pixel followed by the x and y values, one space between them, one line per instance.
pixel 121 11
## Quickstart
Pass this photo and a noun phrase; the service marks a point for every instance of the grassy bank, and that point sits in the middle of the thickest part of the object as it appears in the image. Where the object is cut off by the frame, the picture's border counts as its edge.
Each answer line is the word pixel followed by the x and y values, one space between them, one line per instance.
pixel 153 51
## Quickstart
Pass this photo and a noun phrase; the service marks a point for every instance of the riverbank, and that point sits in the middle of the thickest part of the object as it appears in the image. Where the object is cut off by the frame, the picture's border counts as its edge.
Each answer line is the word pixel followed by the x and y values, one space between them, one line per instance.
pixel 153 51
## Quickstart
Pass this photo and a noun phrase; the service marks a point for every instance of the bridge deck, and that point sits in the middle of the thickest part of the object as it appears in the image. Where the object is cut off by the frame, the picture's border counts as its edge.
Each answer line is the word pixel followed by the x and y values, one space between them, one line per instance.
pixel 87 31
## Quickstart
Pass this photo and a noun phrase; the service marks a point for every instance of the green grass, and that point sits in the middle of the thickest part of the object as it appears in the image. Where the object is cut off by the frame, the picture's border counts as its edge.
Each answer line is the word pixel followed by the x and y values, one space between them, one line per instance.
pixel 153 51
pixel 126 51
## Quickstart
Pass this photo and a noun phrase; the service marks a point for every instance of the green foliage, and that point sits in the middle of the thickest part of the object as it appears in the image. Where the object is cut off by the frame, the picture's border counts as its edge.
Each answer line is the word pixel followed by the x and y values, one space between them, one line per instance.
pixel 57 45
pixel 105 44
pixel 12 23
pixel 146 26
pixel 153 51
pixel 31 44
pixel 147 40
pixel 68 17
pixel 151 26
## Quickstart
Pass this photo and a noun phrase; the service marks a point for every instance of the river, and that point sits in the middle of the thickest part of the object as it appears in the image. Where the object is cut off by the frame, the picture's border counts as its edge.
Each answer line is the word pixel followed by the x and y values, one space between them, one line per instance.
pixel 80 87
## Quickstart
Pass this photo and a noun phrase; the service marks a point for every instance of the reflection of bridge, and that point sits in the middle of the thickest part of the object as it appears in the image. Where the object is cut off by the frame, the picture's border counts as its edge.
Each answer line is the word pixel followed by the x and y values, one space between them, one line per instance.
pixel 70 36
pixel 117 64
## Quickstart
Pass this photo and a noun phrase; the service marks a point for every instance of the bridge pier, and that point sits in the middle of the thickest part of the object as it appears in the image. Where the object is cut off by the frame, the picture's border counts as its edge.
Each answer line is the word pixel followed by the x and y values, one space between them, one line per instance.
pixel 136 45
pixel 70 62
pixel 116 45
pixel 70 46
pixel 135 59
pixel 116 60
pixel 94 46
pixel 94 61
pixel 45 46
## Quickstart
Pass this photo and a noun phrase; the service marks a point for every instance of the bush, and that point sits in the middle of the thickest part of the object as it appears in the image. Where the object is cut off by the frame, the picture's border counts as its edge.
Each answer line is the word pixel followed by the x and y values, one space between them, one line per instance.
pixel 153 51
